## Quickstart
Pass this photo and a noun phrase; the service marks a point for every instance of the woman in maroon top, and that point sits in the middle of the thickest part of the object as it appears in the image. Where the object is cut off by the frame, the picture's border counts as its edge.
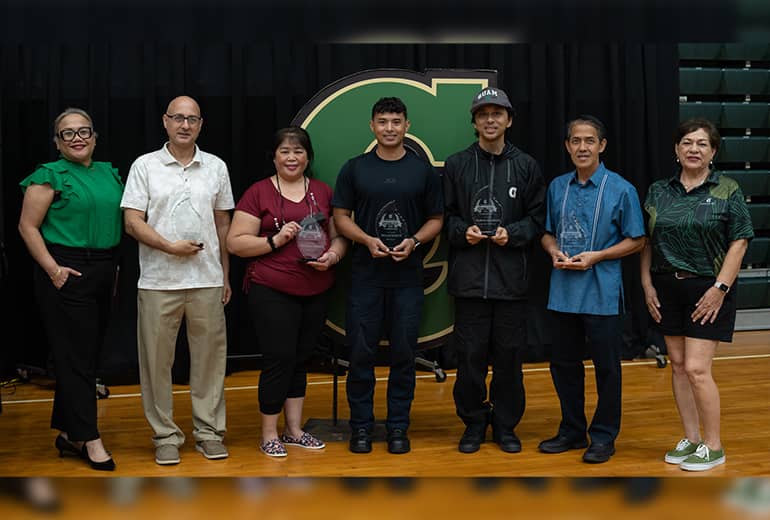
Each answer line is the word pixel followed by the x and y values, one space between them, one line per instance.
pixel 283 223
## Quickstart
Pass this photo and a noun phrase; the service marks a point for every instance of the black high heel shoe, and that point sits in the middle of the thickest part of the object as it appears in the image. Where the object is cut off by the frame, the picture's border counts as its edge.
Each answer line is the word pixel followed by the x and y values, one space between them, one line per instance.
pixel 65 446
pixel 107 465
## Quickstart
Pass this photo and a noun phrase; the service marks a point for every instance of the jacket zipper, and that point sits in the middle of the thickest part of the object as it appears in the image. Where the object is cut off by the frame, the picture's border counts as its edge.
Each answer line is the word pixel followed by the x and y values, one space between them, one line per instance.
pixel 486 263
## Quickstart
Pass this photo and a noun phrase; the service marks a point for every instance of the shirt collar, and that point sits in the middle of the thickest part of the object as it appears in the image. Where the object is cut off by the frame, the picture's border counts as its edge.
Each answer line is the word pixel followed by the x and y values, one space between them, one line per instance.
pixel 592 179
pixel 167 158
pixel 713 178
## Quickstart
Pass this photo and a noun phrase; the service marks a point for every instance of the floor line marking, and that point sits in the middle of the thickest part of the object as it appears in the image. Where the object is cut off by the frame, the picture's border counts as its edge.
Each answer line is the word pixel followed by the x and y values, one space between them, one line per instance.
pixel 425 376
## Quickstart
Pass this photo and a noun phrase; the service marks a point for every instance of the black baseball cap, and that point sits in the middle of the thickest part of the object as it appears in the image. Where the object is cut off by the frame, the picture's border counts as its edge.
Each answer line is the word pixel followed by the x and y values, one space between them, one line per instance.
pixel 490 96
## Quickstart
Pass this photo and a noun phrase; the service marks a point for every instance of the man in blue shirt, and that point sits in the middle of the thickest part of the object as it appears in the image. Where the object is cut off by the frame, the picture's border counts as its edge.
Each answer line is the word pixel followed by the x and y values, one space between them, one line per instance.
pixel 592 221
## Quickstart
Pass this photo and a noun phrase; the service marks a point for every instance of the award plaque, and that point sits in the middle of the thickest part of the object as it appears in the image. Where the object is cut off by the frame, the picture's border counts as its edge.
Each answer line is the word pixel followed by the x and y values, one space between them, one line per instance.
pixel 311 239
pixel 487 212
pixel 187 221
pixel 391 225
pixel 572 238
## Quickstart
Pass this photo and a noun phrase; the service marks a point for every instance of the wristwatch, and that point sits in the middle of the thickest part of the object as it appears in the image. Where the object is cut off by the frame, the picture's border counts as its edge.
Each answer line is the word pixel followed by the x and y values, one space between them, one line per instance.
pixel 416 242
pixel 722 286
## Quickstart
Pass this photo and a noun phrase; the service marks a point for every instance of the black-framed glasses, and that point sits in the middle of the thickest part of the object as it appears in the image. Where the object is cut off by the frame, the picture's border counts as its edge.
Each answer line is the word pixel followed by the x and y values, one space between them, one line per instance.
pixel 68 134
pixel 179 119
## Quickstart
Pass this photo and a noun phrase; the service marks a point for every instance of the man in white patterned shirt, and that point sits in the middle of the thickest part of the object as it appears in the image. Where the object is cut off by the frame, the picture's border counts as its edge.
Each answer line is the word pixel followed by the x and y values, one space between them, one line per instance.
pixel 177 205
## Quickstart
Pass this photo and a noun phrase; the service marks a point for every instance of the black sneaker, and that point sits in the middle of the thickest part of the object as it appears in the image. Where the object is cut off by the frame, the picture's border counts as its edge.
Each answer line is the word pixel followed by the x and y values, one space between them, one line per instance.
pixel 398 442
pixel 361 441
pixel 472 438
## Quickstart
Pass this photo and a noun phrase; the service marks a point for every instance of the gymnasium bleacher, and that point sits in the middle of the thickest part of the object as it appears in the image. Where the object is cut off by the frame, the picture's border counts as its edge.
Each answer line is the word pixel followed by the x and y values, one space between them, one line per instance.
pixel 729 84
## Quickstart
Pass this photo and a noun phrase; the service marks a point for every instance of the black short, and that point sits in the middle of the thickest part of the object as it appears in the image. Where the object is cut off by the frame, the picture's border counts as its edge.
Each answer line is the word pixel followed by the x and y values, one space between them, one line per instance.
pixel 677 303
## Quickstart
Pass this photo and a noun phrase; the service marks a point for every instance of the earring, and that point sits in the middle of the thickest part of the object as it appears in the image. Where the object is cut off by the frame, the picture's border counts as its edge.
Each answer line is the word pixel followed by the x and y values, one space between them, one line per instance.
pixel 711 164
pixel 677 159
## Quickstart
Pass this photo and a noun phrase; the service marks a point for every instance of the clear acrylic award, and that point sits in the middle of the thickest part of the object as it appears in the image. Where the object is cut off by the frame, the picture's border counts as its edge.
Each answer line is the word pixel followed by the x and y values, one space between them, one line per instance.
pixel 187 221
pixel 572 238
pixel 311 239
pixel 391 225
pixel 486 211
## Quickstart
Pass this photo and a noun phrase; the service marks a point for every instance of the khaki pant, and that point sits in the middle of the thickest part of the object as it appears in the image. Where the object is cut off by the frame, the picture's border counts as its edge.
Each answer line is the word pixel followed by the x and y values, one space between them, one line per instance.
pixel 160 315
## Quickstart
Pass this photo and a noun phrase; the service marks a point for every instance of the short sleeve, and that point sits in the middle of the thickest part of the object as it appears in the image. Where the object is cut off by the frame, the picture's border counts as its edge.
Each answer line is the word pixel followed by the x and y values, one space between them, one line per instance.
pixel 740 226
pixel 344 194
pixel 632 221
pixel 136 195
pixel 43 174
pixel 249 202
pixel 225 200
pixel 434 199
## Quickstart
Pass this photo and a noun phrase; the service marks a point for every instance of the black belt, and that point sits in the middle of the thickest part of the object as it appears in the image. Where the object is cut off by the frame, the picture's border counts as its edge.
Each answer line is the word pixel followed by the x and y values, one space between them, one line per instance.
pixel 684 275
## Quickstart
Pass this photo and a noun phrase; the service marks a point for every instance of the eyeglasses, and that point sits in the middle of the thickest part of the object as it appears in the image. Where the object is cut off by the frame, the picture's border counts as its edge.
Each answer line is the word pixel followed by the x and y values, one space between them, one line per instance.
pixel 68 134
pixel 179 119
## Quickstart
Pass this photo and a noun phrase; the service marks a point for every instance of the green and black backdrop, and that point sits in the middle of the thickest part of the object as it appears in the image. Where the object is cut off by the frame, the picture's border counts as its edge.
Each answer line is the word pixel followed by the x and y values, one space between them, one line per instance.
pixel 256 66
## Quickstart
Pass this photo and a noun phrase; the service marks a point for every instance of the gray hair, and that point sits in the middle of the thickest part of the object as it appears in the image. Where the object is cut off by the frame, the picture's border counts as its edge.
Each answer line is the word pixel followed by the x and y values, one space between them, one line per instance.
pixel 69 111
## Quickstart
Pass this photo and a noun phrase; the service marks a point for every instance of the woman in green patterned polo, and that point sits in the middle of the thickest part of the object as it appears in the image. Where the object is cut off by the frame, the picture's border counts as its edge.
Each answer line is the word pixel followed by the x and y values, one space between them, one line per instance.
pixel 699 227
pixel 71 224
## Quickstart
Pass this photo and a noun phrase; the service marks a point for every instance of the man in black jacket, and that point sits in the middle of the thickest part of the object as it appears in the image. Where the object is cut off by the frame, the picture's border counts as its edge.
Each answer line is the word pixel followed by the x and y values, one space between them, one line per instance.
pixel 494 197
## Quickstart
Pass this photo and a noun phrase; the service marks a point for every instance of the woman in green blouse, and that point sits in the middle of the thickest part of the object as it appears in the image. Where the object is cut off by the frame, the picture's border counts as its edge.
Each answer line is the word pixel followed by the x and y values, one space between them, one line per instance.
pixel 71 224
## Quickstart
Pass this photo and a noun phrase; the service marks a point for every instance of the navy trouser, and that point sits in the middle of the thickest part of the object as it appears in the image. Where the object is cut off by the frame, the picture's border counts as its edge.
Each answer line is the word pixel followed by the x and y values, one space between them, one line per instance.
pixel 489 332
pixel 374 312
pixel 605 341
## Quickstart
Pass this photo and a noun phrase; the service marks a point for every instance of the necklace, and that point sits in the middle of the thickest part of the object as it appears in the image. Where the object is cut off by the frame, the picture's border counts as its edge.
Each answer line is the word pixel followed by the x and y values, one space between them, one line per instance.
pixel 689 187
pixel 305 184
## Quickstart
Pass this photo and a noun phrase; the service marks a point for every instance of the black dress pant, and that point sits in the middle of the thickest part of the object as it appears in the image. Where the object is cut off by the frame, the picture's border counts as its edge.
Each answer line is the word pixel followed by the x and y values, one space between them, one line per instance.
pixel 490 332
pixel 75 319
pixel 287 328
pixel 605 342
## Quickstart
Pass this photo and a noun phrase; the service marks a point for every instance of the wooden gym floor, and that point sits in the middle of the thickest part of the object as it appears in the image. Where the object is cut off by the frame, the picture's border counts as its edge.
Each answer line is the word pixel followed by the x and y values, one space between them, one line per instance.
pixel 650 427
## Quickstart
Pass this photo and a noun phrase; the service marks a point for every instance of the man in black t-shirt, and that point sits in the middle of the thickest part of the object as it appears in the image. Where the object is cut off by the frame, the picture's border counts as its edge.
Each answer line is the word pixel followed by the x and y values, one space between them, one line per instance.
pixel 396 199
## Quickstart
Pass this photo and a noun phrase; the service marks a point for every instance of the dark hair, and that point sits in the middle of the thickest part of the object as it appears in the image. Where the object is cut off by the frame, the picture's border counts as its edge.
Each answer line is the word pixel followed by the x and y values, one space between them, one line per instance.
pixel 510 111
pixel 587 119
pixel 694 124
pixel 298 135
pixel 511 114
pixel 389 105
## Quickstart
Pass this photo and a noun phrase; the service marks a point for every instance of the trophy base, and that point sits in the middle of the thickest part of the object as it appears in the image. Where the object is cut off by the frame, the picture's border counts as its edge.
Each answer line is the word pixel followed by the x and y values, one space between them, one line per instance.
pixel 489 233
pixel 305 260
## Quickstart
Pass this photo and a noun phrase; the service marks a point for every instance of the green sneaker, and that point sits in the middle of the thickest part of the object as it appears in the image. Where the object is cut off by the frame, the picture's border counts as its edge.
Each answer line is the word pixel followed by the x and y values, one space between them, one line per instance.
pixel 683 449
pixel 704 458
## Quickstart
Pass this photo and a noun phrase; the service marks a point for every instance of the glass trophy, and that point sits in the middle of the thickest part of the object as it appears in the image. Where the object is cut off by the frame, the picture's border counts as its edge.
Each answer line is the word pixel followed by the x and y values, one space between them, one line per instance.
pixel 391 225
pixel 311 239
pixel 487 212
pixel 187 221
pixel 572 238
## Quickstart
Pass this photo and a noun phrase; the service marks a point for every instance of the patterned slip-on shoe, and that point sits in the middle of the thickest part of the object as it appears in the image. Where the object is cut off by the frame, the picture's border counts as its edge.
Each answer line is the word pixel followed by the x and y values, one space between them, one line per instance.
pixel 273 448
pixel 305 441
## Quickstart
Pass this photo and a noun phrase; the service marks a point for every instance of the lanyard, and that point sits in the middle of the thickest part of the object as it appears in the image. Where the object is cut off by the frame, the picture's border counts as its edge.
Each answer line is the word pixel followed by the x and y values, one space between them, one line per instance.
pixel 304 197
